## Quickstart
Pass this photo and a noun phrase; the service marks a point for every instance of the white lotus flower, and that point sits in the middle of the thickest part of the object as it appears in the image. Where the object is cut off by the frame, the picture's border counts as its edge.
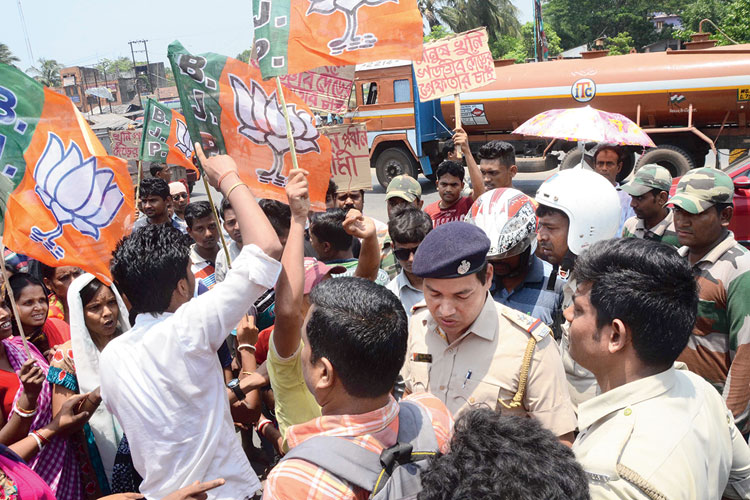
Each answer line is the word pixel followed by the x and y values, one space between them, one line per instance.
pixel 184 144
pixel 350 40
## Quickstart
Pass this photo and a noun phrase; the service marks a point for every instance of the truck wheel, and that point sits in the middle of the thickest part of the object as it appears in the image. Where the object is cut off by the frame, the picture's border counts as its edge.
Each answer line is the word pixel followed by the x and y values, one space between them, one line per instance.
pixel 536 164
pixel 674 159
pixel 628 162
pixel 393 162
pixel 572 159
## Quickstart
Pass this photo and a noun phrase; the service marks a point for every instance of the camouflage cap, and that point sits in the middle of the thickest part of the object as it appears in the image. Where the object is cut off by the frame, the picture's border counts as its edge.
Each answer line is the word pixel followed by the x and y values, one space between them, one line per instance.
pixel 405 187
pixel 701 189
pixel 648 177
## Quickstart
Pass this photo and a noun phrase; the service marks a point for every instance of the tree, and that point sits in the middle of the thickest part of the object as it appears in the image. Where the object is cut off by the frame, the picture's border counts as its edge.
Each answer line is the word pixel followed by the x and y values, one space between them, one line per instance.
pixel 244 56
pixel 6 56
pixel 437 32
pixel 693 13
pixel 499 16
pixel 522 48
pixel 620 44
pixel 115 68
pixel 736 23
pixel 47 72
pixel 430 12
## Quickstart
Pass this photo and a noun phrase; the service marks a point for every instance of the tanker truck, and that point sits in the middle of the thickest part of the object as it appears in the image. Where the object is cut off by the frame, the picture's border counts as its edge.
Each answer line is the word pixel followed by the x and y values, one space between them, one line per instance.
pixel 690 102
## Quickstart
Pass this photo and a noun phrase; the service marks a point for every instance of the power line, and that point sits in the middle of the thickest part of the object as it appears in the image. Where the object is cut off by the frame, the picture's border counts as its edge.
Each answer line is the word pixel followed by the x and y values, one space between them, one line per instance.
pixel 25 33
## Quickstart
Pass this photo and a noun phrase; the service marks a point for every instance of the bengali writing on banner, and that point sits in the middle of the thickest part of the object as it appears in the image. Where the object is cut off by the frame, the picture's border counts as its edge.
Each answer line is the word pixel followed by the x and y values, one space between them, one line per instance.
pixel 125 143
pixel 65 201
pixel 232 110
pixel 350 156
pixel 455 64
pixel 324 89
pixel 293 36
pixel 166 138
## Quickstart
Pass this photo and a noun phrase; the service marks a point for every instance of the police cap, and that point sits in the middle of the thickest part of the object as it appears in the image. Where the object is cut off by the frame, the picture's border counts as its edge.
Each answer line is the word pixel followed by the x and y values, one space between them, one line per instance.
pixel 451 250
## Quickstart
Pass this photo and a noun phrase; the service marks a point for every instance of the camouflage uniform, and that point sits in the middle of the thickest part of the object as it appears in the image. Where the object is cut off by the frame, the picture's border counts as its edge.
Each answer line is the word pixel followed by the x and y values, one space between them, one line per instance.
pixel 407 188
pixel 647 178
pixel 719 348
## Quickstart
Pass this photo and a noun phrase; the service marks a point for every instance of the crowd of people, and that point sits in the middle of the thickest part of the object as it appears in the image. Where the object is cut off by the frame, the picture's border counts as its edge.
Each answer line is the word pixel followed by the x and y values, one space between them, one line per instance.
pixel 588 342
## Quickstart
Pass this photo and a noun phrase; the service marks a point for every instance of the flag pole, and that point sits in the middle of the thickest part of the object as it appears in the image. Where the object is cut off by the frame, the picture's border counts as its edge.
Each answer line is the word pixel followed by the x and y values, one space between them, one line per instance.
pixel 289 134
pixel 457 112
pixel 12 299
pixel 218 222
pixel 138 186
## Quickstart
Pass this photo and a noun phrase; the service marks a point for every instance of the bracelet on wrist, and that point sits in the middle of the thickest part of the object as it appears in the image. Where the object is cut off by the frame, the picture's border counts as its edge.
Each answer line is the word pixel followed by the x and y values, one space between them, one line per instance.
pixel 246 373
pixel 38 434
pixel 224 176
pixel 246 346
pixel 235 186
pixel 38 441
pixel 24 413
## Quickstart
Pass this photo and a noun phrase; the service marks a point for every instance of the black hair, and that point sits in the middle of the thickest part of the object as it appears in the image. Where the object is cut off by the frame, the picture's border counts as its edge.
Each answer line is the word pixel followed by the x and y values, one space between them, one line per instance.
pixel 498 150
pixel 47 271
pixel 482 274
pixel 225 205
pixel 451 168
pixel 496 457
pixel 332 188
pixel 89 291
pixel 155 168
pixel 154 187
pixel 544 210
pixel 721 206
pixel 647 286
pixel 409 225
pixel 19 281
pixel 278 214
pixel 328 226
pixel 197 210
pixel 147 265
pixel 612 147
pixel 361 328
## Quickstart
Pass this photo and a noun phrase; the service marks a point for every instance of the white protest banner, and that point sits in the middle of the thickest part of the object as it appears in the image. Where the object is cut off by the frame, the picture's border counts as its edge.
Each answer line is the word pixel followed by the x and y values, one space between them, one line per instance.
pixel 323 89
pixel 125 144
pixel 350 156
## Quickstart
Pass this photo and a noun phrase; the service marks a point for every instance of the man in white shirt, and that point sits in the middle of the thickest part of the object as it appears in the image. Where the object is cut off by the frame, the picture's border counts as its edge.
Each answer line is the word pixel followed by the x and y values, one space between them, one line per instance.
pixel 407 228
pixel 654 431
pixel 608 162
pixel 232 228
pixel 163 380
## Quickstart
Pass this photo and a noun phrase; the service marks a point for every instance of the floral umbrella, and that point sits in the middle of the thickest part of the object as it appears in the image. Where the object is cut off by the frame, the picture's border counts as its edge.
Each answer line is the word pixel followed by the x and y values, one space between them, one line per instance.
pixel 586 124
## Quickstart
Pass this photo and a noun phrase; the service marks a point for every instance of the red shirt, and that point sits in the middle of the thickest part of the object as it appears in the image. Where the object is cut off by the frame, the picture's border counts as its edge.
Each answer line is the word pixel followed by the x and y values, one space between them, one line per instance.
pixel 261 346
pixel 456 212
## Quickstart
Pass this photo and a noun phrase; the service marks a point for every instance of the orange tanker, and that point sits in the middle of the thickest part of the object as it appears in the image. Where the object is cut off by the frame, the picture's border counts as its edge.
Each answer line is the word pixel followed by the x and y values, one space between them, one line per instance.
pixel 689 101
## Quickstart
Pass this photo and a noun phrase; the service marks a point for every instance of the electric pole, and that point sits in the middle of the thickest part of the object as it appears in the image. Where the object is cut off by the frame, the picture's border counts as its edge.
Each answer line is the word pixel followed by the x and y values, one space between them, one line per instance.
pixel 148 72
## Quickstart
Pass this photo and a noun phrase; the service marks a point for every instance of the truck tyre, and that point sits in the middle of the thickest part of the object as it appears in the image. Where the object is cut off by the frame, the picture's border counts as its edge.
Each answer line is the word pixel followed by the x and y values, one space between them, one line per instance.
pixel 392 162
pixel 674 159
pixel 572 159
pixel 536 164
pixel 628 162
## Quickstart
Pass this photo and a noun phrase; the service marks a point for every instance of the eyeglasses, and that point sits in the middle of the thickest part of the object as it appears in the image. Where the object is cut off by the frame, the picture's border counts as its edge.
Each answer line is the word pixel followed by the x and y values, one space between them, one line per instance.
pixel 404 253
pixel 180 196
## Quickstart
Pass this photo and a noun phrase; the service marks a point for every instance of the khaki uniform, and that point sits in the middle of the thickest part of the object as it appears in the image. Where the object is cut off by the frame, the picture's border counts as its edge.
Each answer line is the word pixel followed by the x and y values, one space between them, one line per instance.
pixel 484 367
pixel 669 434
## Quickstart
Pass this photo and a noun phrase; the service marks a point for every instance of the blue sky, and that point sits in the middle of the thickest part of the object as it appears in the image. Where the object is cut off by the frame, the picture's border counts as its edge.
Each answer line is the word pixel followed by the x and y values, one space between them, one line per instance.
pixel 82 32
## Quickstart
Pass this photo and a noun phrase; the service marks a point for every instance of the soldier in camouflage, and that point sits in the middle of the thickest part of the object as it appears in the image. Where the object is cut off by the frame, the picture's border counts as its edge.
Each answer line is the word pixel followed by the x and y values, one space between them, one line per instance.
pixel 649 192
pixel 403 190
pixel 719 348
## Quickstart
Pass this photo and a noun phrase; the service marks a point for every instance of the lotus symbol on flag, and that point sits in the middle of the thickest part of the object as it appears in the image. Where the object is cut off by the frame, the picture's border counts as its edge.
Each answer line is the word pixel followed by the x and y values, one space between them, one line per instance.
pixel 262 121
pixel 184 144
pixel 75 192
pixel 350 41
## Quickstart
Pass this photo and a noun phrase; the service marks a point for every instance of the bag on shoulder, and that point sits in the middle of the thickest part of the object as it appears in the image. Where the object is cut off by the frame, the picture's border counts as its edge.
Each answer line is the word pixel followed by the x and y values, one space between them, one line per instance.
pixel 395 473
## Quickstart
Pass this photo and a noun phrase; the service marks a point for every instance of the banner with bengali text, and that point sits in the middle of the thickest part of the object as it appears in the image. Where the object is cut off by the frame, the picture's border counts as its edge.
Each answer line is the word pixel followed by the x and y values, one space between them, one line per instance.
pixel 125 144
pixel 324 89
pixel 350 156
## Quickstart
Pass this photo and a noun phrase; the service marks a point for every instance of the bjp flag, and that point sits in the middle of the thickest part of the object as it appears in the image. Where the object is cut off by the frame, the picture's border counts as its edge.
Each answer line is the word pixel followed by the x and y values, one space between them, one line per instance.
pixel 165 137
pixel 232 110
pixel 65 201
pixel 292 36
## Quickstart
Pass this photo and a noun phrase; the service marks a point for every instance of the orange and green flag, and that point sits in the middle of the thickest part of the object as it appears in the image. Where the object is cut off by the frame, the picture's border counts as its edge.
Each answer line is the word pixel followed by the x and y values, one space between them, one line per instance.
pixel 292 36
pixel 65 201
pixel 232 110
pixel 165 137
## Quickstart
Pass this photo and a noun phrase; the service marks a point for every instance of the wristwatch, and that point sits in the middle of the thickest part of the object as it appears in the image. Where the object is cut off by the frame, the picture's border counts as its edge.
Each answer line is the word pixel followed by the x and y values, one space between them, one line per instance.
pixel 234 384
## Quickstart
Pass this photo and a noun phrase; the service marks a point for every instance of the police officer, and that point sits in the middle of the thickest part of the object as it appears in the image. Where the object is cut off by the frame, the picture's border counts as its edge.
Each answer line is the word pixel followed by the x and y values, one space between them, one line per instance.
pixel 470 351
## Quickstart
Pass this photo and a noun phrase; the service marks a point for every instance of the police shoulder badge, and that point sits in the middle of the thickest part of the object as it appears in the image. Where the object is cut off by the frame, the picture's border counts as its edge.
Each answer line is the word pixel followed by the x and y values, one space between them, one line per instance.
pixel 463 267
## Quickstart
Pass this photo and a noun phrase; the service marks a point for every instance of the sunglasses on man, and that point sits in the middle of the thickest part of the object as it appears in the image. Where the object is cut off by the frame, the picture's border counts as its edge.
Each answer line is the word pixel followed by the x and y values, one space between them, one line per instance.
pixel 404 253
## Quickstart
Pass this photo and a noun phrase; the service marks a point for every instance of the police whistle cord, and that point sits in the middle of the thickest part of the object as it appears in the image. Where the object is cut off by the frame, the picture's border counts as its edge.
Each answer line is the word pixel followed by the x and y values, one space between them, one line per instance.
pixel 524 375
pixel 636 479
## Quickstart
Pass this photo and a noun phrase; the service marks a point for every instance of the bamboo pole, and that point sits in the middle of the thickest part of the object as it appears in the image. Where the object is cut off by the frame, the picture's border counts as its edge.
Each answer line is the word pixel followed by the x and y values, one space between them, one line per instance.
pixel 13 305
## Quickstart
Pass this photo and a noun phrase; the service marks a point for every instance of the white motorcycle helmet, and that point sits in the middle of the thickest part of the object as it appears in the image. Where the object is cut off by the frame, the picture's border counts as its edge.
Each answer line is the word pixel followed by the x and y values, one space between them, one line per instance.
pixel 589 200
pixel 508 218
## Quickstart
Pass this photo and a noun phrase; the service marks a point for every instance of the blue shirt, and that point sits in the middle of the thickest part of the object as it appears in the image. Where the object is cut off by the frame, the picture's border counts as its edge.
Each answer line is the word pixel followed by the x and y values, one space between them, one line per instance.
pixel 175 222
pixel 532 297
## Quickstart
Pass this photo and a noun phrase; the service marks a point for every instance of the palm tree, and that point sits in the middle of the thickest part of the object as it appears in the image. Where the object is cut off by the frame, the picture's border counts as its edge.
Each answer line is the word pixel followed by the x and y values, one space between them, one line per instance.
pixel 430 12
pixel 47 72
pixel 499 16
pixel 6 56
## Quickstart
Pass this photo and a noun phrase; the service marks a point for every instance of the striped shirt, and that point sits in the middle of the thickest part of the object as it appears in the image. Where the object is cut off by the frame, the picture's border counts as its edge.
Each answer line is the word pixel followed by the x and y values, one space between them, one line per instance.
pixel 298 479
pixel 203 270
pixel 719 347
pixel 663 232
pixel 532 296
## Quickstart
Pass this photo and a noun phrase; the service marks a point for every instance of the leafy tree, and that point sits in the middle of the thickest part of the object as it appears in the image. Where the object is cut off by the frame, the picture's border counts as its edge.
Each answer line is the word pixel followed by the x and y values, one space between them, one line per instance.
pixel 693 13
pixel 6 56
pixel 437 32
pixel 244 56
pixel 115 68
pixel 47 72
pixel 430 10
pixel 620 44
pixel 522 48
pixel 736 23
pixel 499 16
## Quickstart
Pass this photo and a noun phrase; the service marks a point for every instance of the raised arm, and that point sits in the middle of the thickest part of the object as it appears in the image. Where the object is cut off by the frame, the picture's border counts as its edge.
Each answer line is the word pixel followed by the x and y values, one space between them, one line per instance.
pixel 477 183
pixel 254 226
pixel 363 228
pixel 32 379
pixel 291 284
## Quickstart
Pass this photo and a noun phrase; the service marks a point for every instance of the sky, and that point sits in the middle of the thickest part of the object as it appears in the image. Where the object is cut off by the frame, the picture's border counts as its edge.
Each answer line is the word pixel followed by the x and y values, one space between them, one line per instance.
pixel 82 32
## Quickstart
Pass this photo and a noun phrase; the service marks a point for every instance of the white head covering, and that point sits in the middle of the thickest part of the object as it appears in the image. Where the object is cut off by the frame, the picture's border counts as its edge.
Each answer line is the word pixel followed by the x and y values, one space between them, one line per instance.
pixel 177 187
pixel 106 429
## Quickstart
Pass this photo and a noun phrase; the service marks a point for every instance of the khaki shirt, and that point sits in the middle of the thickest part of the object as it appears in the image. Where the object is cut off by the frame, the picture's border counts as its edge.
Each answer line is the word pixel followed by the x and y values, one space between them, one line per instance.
pixel 483 366
pixel 671 430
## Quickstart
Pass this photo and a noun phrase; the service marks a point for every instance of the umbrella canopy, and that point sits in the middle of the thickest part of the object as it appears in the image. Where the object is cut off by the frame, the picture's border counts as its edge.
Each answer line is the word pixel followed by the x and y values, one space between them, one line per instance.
pixel 586 124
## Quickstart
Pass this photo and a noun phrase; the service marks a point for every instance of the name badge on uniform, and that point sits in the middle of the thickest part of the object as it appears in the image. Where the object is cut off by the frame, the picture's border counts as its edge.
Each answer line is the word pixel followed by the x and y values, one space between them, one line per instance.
pixel 421 358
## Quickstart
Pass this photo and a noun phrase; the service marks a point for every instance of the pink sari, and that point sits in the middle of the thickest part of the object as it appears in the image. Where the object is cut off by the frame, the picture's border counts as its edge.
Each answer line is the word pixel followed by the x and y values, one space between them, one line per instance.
pixel 30 486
